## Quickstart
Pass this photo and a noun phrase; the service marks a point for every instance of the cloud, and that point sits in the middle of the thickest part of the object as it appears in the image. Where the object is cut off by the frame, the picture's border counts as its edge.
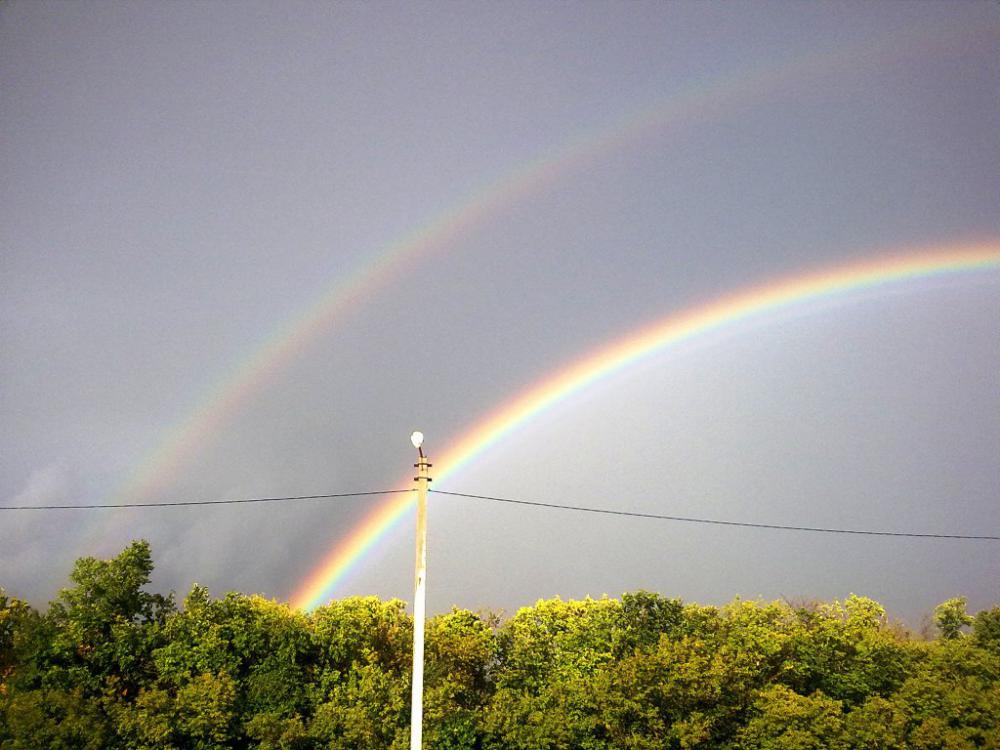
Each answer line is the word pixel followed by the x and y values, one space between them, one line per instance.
pixel 25 549
pixel 46 486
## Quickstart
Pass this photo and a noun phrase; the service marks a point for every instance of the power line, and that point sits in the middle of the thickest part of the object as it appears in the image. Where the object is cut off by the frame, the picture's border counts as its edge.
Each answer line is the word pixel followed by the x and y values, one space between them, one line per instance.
pixel 713 521
pixel 178 503
pixel 532 503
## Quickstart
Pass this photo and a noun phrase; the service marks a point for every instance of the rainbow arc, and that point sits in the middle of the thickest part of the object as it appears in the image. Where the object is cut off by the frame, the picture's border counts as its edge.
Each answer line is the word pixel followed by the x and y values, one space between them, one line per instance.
pixel 696 103
pixel 628 350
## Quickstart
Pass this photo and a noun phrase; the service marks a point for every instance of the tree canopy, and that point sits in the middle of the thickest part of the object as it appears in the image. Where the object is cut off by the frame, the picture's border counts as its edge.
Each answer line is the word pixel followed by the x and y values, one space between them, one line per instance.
pixel 110 665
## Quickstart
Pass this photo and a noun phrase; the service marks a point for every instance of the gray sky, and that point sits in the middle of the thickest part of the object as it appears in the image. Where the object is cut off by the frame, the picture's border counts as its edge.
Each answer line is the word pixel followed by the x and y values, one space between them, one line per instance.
pixel 180 181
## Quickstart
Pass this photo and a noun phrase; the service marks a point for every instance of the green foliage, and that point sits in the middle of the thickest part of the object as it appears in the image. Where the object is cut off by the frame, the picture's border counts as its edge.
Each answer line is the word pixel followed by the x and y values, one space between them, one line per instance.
pixel 17 620
pixel 950 617
pixel 363 631
pixel 953 698
pixel 459 656
pixel 644 618
pixel 784 720
pixel 101 632
pixel 550 665
pixel 367 709
pixel 554 637
pixel 877 724
pixel 848 651
pixel 272 731
pixel 110 665
pixel 53 719
pixel 261 645
pixel 986 629
pixel 360 690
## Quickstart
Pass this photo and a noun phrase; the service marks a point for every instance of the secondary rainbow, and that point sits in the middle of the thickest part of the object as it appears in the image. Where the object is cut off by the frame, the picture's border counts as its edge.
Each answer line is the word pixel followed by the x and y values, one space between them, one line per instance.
pixel 698 102
pixel 349 293
pixel 635 346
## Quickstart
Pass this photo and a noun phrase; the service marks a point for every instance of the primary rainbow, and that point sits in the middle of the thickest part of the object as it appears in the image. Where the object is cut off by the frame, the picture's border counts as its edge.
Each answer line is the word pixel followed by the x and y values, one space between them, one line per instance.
pixel 611 358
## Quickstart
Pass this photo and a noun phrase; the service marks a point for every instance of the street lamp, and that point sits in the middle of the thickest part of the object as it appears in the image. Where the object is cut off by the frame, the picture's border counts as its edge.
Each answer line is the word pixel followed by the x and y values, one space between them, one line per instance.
pixel 419 594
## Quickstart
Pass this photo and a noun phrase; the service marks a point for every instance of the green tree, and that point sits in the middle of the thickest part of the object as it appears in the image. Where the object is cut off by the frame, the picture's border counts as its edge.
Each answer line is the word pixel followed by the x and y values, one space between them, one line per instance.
pixel 847 650
pixel 361 681
pixel 785 720
pixel 950 617
pixel 89 654
pixel 460 651
pixel 272 731
pixel 238 666
pixel 550 673
pixel 986 629
pixel 104 628
pixel 112 666
pixel 643 619
pixel 878 724
pixel 55 720
pixel 696 689
pixel 17 622
pixel 952 698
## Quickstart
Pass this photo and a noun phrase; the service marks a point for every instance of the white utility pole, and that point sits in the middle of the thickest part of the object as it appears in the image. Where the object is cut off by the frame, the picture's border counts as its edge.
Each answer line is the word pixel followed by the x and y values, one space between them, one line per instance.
pixel 419 595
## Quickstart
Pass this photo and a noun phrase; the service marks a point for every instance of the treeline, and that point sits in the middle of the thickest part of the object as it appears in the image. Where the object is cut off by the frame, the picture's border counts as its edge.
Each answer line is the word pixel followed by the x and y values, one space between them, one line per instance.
pixel 112 666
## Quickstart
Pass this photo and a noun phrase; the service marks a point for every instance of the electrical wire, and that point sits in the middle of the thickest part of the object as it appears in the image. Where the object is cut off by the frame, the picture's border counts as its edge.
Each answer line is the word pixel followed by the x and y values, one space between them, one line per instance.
pixel 511 501
pixel 178 503
pixel 716 522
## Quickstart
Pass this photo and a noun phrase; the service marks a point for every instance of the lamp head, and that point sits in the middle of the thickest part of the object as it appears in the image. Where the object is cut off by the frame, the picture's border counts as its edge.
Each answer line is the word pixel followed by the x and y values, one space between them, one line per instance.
pixel 417 438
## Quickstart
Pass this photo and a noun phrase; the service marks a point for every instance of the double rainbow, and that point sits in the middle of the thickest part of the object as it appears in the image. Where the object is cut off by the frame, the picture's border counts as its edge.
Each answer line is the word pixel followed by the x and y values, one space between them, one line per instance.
pixel 699 102
pixel 628 350
pixel 705 100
